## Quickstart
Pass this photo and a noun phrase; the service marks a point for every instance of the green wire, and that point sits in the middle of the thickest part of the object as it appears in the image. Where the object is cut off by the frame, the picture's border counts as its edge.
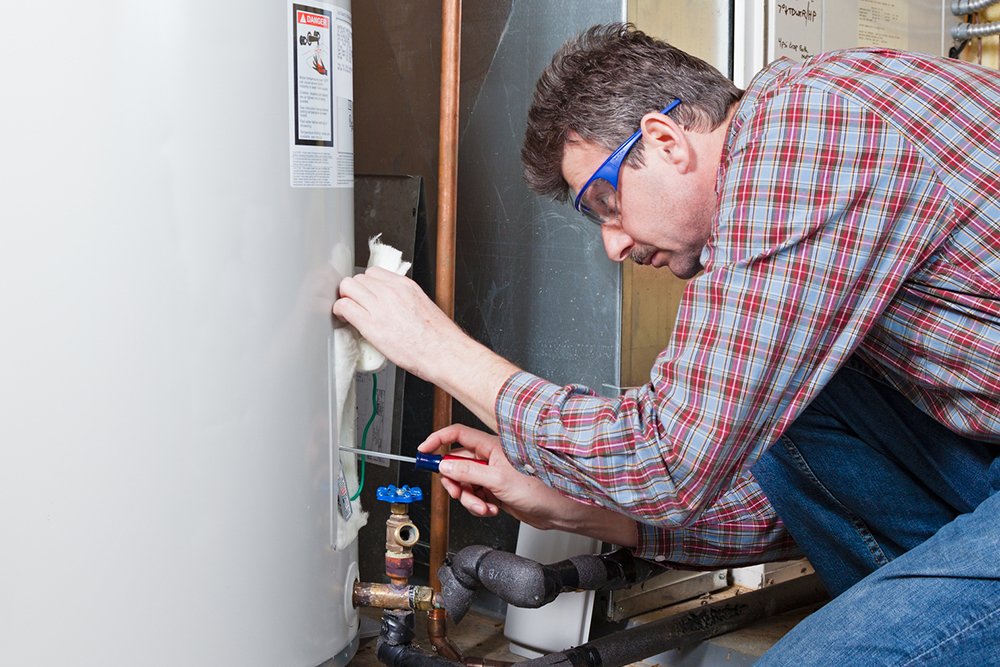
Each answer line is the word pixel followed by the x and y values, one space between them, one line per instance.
pixel 364 436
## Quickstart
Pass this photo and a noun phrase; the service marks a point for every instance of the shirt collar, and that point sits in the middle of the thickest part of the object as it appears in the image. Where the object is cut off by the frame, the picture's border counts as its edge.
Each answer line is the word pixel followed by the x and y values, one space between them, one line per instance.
pixel 761 86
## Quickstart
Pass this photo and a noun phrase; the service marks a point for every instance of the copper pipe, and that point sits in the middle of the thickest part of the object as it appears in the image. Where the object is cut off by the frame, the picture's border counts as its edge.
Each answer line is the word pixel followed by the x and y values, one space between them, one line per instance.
pixel 451 30
pixel 451 50
pixel 437 634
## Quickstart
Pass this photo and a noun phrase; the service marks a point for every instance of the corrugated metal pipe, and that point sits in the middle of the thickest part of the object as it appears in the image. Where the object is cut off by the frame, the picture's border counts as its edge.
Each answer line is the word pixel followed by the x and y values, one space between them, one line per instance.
pixel 963 31
pixel 640 642
pixel 963 7
pixel 527 584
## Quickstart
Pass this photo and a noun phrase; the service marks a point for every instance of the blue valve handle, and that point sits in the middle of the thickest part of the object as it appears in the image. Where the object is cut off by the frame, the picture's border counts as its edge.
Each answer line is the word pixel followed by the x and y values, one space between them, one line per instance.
pixel 404 494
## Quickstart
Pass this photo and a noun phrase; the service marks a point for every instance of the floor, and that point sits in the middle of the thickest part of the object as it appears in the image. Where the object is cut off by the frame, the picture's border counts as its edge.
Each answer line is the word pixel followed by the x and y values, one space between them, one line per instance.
pixel 481 637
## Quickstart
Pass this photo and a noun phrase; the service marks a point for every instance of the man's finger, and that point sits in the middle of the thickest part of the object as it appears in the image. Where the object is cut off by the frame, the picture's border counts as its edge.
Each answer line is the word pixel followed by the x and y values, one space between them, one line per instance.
pixel 355 289
pixel 348 310
pixel 477 474
pixel 470 438
pixel 454 489
pixel 474 503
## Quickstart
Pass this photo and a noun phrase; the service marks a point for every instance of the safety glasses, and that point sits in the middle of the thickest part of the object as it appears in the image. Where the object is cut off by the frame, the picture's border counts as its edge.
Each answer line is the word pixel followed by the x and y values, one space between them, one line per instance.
pixel 598 200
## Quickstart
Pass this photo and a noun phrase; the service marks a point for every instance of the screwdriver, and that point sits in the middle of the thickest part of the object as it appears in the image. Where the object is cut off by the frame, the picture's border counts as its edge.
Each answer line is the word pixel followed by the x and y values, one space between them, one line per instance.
pixel 422 462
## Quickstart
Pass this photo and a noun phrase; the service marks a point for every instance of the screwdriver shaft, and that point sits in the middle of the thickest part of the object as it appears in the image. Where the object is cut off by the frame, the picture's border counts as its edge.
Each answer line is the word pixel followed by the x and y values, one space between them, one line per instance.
pixel 382 455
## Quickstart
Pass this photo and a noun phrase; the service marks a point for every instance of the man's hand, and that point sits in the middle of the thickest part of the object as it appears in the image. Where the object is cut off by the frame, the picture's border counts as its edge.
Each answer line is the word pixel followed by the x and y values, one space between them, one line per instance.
pixel 395 316
pixel 484 490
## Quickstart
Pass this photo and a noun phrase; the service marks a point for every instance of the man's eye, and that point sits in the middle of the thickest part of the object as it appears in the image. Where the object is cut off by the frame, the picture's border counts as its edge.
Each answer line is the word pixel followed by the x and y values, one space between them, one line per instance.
pixel 608 203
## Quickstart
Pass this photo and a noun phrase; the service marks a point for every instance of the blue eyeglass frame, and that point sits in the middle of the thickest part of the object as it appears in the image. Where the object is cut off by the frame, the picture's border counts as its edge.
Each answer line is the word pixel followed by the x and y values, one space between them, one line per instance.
pixel 611 167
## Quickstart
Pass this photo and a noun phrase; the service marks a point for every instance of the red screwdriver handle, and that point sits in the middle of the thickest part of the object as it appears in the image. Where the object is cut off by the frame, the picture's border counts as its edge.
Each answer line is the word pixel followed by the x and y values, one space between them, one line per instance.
pixel 452 457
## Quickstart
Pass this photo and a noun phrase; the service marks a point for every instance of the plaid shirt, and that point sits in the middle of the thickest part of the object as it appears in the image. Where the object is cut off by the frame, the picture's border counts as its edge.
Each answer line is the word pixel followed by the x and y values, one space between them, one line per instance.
pixel 858 209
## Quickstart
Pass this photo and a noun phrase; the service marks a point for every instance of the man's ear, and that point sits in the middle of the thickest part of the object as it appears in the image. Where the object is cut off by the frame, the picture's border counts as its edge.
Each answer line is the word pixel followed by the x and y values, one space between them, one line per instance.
pixel 663 138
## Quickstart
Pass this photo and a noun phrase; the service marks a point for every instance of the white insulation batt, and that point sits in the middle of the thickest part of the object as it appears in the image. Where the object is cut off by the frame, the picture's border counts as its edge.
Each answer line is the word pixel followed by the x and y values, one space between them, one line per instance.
pixel 354 354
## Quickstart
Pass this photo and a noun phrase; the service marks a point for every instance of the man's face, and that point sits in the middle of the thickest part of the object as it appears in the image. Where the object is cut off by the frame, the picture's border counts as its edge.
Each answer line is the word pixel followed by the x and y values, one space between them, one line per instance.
pixel 665 212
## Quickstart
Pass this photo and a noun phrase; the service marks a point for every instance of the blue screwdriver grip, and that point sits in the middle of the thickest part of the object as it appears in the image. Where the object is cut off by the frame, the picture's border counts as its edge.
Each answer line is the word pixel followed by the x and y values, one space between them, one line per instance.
pixel 427 462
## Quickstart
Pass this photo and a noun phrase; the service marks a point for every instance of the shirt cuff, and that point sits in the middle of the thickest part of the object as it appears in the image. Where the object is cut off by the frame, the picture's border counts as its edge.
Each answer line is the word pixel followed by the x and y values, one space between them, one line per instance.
pixel 742 528
pixel 654 543
pixel 518 408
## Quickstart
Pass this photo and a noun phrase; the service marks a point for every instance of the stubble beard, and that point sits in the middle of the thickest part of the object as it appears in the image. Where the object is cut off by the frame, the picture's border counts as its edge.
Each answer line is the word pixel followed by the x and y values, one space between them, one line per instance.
pixel 640 254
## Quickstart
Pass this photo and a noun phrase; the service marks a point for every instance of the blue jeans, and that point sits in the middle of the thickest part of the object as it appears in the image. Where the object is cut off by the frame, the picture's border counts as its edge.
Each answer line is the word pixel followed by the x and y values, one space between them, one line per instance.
pixel 901 519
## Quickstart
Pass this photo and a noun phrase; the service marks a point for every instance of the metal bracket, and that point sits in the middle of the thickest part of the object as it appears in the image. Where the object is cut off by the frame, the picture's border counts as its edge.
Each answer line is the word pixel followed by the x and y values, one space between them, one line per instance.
pixel 663 590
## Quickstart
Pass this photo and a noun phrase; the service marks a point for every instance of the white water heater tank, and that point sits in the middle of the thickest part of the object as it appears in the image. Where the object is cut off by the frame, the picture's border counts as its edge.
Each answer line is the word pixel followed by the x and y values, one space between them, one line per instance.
pixel 177 210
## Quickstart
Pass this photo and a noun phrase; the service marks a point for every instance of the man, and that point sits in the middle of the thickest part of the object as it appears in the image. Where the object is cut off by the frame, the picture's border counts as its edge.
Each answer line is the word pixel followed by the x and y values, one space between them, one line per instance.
pixel 837 361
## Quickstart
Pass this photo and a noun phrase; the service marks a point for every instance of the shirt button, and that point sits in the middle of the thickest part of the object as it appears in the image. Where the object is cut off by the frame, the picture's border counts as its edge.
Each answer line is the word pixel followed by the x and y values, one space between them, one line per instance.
pixel 530 469
pixel 659 559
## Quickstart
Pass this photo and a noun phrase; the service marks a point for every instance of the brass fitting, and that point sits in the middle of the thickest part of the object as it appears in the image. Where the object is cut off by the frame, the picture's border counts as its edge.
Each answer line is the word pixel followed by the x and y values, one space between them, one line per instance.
pixel 387 596
pixel 400 536
pixel 400 533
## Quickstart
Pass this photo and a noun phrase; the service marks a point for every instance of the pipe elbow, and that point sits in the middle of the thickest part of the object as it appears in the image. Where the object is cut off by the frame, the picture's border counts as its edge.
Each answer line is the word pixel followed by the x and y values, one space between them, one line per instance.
pixel 525 583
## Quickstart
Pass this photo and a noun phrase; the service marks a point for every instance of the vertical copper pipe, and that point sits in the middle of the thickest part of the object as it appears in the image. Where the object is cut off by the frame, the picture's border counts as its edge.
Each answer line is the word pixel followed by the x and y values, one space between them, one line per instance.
pixel 451 27
pixel 451 49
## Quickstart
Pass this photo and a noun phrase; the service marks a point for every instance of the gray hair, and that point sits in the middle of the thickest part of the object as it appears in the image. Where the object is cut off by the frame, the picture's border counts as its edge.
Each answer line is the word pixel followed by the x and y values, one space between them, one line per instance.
pixel 600 85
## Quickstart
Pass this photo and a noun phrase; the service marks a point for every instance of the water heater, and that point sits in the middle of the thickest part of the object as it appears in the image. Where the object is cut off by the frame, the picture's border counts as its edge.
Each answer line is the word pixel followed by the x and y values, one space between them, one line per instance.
pixel 177 210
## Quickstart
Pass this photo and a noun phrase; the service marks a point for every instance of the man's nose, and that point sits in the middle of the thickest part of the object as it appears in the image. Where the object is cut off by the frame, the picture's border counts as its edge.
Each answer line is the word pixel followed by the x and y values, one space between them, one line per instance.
pixel 617 243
